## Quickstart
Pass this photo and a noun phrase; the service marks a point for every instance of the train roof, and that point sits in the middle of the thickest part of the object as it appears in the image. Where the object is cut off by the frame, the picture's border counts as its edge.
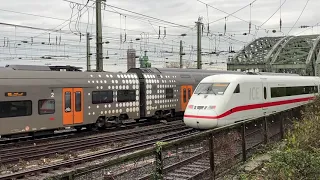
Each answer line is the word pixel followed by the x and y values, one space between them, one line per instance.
pixel 177 70
pixel 183 73
pixel 41 68
pixel 201 71
pixel 242 78
pixel 25 74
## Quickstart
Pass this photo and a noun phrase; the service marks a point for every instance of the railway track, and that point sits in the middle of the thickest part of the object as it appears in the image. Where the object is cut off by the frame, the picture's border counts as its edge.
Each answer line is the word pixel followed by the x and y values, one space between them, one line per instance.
pixel 183 160
pixel 193 168
pixel 190 168
pixel 198 166
pixel 14 155
pixel 6 141
pixel 105 154
pixel 26 140
pixel 195 163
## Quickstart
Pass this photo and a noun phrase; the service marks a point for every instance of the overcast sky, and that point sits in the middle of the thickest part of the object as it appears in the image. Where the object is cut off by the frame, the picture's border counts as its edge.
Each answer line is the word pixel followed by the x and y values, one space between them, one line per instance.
pixel 182 14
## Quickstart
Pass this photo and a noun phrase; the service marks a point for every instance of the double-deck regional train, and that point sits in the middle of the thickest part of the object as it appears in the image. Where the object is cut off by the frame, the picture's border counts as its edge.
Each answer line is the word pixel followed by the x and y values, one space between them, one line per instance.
pixel 221 100
pixel 36 101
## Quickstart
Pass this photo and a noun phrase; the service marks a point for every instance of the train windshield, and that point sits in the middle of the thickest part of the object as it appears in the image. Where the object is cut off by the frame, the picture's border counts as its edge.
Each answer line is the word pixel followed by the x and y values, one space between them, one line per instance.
pixel 211 88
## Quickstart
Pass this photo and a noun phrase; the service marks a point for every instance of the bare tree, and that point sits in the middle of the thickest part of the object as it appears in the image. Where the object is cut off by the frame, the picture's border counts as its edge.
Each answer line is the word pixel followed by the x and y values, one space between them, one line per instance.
pixel 186 64
pixel 173 65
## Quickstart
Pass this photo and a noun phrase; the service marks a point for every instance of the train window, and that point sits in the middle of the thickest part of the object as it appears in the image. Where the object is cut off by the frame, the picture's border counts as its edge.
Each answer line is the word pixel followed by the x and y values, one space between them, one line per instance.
pixel 67 101
pixel 189 93
pixel 278 92
pixel 184 95
pixel 15 108
pixel 237 90
pixel 46 106
pixel 314 89
pixel 102 97
pixel 211 88
pixel 95 97
pixel 265 92
pixel 292 91
pixel 126 95
pixel 169 93
pixel 78 101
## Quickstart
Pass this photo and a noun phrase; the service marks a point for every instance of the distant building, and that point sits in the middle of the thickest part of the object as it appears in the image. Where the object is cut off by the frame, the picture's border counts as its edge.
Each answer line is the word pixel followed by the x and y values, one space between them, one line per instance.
pixel 131 58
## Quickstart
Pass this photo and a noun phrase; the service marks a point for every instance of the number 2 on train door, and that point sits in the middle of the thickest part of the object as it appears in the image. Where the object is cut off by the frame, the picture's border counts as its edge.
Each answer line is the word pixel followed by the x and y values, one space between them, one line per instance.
pixel 186 93
pixel 72 106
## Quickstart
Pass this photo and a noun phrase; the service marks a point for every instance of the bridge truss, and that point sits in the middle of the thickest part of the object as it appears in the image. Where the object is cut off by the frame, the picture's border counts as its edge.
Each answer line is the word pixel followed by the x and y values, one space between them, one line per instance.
pixel 291 54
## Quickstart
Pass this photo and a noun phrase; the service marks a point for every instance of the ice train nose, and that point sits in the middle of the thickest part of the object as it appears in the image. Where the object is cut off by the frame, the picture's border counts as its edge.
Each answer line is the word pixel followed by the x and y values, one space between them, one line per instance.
pixel 200 119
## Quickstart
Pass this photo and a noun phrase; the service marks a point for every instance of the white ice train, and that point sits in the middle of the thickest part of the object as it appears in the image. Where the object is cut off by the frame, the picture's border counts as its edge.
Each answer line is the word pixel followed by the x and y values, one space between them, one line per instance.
pixel 220 100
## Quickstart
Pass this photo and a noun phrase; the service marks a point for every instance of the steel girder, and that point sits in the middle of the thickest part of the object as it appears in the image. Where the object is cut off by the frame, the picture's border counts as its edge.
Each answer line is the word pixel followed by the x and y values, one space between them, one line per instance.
pixel 317 64
pixel 295 51
pixel 294 54
pixel 256 51
pixel 298 50
pixel 313 58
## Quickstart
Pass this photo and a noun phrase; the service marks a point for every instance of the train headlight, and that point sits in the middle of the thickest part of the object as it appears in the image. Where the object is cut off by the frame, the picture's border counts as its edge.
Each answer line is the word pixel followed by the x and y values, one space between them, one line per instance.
pixel 211 107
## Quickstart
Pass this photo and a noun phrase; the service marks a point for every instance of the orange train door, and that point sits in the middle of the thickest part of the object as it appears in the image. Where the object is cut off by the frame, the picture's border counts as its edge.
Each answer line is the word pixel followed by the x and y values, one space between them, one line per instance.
pixel 78 104
pixel 186 93
pixel 72 106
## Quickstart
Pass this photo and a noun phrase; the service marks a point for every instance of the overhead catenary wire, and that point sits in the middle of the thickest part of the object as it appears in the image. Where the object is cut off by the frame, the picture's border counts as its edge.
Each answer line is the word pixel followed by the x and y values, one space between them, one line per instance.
pixel 250 19
pixel 109 33
pixel 151 43
pixel 164 32
pixel 280 18
pixel 175 52
pixel 148 16
pixel 273 14
pixel 258 27
pixel 307 28
pixel 232 14
pixel 129 30
pixel 52 29
pixel 299 16
pixel 228 14
pixel 70 20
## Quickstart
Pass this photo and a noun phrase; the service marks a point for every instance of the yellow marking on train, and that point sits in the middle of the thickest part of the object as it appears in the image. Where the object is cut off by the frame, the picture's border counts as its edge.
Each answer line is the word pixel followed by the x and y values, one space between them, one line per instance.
pixel 221 85
pixel 14 94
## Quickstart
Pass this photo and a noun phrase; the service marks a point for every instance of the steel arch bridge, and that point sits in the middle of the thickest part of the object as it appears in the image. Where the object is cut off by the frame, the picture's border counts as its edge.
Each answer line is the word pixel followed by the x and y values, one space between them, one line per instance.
pixel 290 54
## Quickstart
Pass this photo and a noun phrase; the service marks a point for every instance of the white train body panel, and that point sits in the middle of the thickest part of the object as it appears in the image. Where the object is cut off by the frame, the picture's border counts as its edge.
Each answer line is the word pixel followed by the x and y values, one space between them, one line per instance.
pixel 220 100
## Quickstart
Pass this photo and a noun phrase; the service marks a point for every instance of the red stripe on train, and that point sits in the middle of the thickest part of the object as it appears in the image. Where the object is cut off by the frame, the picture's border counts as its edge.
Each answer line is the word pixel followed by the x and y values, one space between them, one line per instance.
pixel 250 107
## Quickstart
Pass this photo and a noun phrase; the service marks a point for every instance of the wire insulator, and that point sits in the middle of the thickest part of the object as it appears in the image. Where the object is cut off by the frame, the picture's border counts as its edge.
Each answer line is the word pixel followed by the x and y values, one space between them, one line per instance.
pixel 202 26
pixel 125 29
pixel 250 19
pixel 225 25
